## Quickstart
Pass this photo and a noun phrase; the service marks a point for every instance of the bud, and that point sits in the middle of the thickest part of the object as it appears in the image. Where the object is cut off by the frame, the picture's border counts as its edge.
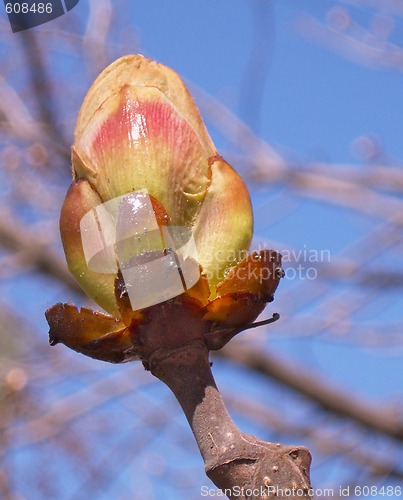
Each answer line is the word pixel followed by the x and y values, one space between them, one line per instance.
pixel 154 217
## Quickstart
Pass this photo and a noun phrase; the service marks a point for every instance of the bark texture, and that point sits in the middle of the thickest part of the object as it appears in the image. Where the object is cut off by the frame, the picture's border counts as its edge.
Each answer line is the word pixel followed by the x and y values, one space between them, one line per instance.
pixel 241 465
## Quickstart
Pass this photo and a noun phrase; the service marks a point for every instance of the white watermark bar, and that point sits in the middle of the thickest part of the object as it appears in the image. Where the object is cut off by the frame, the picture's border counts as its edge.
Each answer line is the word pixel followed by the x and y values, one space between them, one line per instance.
pixel 157 263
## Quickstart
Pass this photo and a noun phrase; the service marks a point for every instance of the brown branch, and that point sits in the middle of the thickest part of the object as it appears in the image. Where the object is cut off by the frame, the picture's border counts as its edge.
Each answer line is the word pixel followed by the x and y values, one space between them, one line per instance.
pixel 310 384
pixel 234 461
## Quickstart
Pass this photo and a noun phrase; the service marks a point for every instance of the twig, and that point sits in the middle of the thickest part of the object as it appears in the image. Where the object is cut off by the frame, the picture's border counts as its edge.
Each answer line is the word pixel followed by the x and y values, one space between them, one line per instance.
pixel 234 461
pixel 176 353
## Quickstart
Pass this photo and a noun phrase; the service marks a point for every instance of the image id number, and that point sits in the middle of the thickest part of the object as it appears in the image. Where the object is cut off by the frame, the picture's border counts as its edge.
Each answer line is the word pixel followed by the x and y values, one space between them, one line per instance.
pixel 25 8
pixel 374 491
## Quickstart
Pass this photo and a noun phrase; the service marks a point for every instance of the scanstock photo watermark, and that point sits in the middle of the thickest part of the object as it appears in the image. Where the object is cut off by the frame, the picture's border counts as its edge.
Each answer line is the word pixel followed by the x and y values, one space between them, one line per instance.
pixel 24 15
pixel 267 492
pixel 363 491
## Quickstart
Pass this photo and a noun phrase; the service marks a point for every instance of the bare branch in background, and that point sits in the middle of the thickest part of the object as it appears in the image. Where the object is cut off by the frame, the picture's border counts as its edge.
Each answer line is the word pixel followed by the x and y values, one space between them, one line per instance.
pixel 311 385
pixel 18 238
pixel 342 35
pixel 95 37
pixel 43 90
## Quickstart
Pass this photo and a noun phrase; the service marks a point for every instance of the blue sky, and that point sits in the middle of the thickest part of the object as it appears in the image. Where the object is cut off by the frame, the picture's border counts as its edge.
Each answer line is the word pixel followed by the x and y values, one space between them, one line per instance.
pixel 314 102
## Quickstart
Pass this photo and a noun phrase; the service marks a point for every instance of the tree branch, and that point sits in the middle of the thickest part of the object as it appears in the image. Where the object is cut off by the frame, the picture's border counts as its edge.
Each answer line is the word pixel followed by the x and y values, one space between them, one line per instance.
pixel 17 237
pixel 237 463
pixel 310 384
